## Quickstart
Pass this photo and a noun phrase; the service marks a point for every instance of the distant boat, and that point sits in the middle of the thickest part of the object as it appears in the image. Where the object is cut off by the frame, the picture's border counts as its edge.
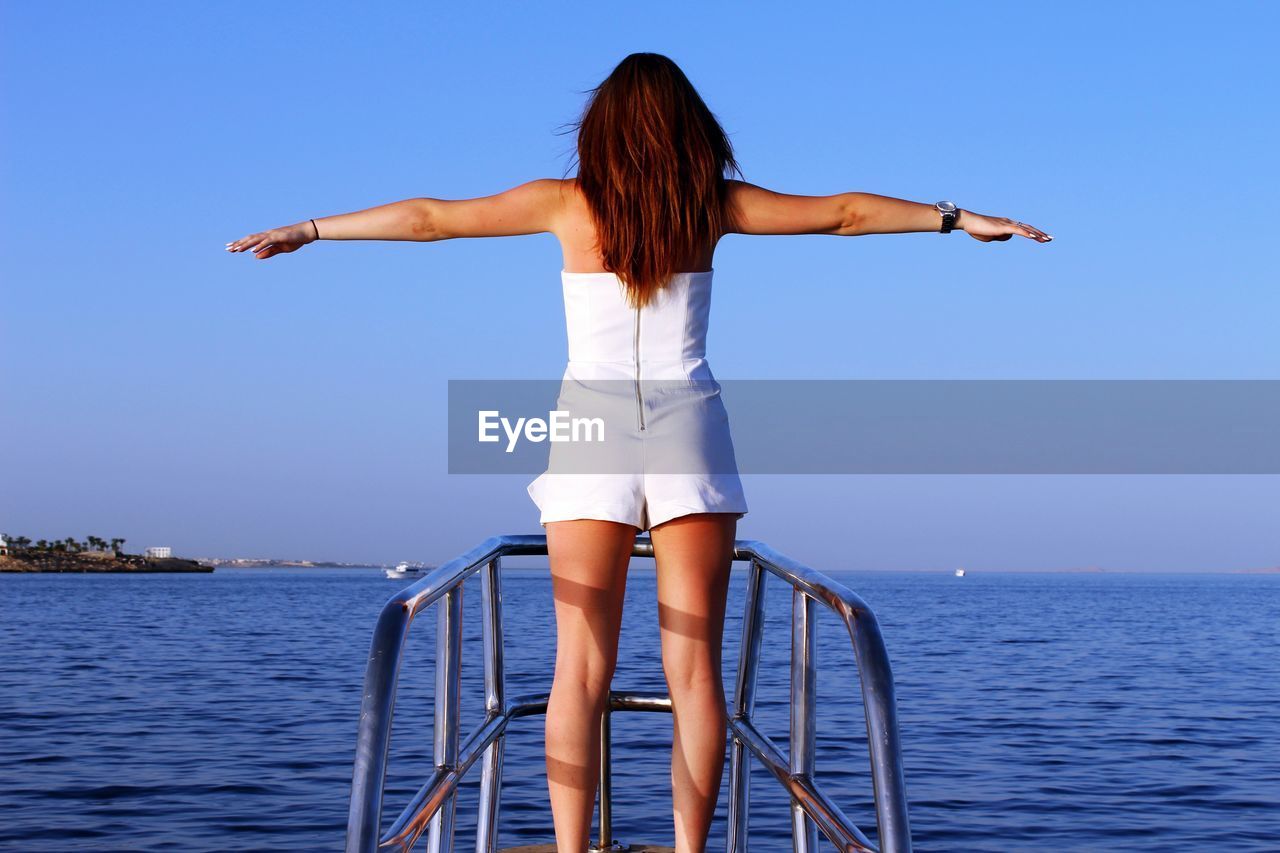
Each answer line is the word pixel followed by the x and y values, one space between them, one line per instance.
pixel 959 573
pixel 403 571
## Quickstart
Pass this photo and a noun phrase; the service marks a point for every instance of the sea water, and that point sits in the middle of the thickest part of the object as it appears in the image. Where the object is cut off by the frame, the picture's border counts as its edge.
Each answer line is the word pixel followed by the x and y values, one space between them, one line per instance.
pixel 1041 712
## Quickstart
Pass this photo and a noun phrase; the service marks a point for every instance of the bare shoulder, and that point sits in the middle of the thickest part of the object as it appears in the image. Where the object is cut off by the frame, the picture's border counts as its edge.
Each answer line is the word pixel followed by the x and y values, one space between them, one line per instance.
pixel 574 225
pixel 558 197
pixel 570 194
pixel 756 210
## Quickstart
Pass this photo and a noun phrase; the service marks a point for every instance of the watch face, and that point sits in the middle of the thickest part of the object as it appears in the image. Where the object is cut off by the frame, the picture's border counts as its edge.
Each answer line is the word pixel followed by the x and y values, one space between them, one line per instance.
pixel 947 206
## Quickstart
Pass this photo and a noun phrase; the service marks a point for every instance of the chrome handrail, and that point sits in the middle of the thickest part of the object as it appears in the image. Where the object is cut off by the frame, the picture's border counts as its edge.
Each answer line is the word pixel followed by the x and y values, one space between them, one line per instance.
pixel 433 806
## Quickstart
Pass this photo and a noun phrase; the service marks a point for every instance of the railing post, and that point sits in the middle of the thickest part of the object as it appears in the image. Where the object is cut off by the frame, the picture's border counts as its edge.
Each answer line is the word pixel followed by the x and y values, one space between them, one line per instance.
pixel 605 841
pixel 883 745
pixel 744 701
pixel 448 686
pixel 495 702
pixel 373 737
pixel 804 832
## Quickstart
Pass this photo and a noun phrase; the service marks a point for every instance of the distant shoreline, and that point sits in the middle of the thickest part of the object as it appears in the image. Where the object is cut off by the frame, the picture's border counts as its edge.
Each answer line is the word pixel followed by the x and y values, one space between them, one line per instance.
pixel 256 563
pixel 59 562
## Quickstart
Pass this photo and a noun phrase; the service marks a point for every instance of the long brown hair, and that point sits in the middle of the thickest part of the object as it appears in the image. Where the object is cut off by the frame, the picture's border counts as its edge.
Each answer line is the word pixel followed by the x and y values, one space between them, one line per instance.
pixel 652 162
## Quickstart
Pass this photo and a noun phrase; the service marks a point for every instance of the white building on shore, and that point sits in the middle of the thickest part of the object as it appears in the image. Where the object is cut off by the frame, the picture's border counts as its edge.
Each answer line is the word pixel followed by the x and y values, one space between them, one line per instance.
pixel 160 553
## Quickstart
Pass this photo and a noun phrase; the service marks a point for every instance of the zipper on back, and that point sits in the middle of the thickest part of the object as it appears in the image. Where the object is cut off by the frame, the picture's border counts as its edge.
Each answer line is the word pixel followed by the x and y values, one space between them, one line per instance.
pixel 636 356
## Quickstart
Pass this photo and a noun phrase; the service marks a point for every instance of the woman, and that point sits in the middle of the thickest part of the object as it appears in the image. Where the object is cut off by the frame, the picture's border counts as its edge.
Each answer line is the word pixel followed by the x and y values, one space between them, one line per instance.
pixel 638 227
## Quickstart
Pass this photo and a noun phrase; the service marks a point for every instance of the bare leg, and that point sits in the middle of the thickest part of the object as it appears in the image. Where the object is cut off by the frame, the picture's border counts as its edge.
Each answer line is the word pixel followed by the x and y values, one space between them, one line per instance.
pixel 693 554
pixel 588 575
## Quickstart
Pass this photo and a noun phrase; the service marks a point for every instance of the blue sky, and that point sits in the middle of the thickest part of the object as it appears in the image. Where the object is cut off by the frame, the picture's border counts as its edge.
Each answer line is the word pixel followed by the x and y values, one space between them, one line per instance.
pixel 157 388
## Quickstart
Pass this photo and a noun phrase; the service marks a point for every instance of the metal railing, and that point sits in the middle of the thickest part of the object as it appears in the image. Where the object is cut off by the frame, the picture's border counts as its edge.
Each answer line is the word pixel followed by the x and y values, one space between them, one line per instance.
pixel 432 809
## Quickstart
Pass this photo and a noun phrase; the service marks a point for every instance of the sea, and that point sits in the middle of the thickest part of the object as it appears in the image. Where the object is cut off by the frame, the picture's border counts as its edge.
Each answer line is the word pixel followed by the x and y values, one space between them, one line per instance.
pixel 1038 711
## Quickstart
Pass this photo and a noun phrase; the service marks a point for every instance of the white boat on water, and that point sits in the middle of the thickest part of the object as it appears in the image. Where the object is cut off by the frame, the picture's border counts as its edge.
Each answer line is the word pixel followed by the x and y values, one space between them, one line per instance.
pixel 959 573
pixel 404 571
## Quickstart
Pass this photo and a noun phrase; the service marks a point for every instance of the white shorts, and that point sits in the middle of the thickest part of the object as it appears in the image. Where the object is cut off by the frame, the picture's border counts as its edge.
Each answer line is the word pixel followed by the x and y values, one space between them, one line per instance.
pixel 675 460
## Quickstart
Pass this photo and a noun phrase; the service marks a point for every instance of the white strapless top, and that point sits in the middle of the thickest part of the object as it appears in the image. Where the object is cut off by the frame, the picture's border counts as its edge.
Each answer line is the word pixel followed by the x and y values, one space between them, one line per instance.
pixel 669 335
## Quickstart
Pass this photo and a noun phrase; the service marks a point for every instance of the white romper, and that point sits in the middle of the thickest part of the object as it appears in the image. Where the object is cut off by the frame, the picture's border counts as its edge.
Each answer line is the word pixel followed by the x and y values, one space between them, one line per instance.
pixel 651 364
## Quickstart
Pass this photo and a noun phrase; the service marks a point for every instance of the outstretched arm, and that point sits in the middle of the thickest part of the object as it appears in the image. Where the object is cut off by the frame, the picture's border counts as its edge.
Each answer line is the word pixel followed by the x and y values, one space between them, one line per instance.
pixel 757 210
pixel 530 208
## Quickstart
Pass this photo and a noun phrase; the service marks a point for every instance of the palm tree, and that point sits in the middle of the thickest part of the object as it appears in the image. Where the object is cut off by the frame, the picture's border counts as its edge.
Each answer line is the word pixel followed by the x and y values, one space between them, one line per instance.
pixel 22 542
pixel 42 544
pixel 116 545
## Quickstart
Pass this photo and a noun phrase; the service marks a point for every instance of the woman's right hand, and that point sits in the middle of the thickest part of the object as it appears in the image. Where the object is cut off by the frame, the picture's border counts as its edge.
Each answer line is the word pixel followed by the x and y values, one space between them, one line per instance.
pixel 277 241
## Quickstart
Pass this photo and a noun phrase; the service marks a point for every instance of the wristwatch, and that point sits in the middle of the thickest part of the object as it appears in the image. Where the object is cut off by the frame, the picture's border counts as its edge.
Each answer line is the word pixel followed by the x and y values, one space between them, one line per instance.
pixel 949 213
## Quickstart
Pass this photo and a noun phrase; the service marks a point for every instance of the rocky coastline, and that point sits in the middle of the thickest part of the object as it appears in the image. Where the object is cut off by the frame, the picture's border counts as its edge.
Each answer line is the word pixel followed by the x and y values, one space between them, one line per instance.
pixel 34 560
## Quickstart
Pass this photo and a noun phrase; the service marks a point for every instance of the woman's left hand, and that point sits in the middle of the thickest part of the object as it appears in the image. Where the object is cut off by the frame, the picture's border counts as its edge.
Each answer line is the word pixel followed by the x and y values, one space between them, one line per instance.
pixel 999 228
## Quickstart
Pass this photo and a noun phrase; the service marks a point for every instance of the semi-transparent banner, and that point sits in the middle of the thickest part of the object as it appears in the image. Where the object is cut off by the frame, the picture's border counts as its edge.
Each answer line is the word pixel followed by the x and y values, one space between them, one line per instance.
pixel 849 426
